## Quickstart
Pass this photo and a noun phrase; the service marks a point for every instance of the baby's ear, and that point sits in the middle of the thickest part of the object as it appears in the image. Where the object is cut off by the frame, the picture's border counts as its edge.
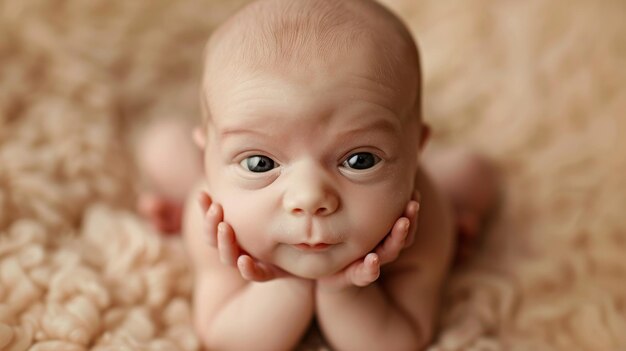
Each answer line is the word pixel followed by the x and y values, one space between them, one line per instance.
pixel 199 138
pixel 424 136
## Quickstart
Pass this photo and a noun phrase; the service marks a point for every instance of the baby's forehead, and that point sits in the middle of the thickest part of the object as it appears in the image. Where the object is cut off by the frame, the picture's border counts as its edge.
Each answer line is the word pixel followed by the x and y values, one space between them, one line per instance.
pixel 341 102
pixel 287 33
pixel 282 36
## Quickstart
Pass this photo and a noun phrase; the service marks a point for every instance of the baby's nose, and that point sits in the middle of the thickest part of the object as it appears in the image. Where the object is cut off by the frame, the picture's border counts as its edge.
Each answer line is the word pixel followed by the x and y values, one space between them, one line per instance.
pixel 310 193
pixel 309 203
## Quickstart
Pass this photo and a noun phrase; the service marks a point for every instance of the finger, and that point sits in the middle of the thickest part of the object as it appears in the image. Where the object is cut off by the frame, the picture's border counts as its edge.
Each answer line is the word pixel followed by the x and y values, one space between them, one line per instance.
pixel 411 209
pixel 270 271
pixel 390 248
pixel 412 213
pixel 248 268
pixel 256 271
pixel 204 200
pixel 227 245
pixel 367 271
pixel 213 217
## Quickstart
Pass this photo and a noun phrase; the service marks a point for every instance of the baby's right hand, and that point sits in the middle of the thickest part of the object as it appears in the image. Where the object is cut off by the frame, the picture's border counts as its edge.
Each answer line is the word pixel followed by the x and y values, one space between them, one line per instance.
pixel 220 235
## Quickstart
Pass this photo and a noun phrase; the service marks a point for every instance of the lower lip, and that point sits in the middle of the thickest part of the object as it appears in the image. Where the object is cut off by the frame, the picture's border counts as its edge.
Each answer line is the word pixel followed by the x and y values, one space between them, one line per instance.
pixel 316 247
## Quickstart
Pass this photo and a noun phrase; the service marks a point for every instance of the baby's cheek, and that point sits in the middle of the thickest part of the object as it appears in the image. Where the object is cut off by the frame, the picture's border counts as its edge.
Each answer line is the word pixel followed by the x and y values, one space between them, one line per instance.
pixel 376 218
pixel 248 222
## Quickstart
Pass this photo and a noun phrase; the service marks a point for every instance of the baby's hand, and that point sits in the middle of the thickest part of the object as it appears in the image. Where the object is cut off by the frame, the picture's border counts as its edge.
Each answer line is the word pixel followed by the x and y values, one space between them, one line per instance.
pixel 220 235
pixel 404 230
pixel 365 271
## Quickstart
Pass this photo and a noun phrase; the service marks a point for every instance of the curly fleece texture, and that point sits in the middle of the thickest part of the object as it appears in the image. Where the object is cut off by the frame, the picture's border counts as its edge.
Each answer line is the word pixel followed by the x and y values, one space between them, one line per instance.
pixel 539 86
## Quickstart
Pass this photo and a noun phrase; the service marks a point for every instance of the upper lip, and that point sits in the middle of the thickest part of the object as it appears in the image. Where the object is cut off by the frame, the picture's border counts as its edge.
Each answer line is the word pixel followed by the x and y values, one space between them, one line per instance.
pixel 317 238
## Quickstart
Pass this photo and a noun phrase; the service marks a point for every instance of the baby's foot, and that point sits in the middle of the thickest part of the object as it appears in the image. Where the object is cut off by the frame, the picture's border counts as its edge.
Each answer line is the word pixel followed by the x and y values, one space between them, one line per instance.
pixel 163 213
pixel 169 166
pixel 470 182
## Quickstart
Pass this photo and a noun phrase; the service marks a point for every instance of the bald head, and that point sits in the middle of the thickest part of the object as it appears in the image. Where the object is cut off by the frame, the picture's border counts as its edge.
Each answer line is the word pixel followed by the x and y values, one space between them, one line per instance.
pixel 293 34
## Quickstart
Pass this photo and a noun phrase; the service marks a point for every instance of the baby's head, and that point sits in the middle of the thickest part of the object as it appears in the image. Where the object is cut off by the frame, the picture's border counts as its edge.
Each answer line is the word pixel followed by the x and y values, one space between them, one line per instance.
pixel 311 129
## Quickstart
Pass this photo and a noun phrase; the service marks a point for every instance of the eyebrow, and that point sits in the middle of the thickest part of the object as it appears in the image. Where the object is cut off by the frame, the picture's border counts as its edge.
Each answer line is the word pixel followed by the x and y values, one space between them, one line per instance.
pixel 385 125
pixel 379 124
pixel 236 131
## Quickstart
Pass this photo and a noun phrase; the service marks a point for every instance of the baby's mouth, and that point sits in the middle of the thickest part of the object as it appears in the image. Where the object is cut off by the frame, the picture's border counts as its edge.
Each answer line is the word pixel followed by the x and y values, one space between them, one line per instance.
pixel 312 247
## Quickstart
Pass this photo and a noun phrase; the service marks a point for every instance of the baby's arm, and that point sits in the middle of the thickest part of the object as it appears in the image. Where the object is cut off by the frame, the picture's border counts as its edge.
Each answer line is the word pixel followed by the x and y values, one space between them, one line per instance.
pixel 231 313
pixel 397 311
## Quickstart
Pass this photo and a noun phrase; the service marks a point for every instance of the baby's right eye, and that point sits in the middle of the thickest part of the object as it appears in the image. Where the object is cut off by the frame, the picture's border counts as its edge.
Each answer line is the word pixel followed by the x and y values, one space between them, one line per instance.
pixel 258 164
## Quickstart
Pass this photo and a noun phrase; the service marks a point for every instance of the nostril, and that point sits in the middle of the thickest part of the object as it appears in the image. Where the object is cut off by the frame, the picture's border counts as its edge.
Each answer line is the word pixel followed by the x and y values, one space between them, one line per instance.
pixel 321 211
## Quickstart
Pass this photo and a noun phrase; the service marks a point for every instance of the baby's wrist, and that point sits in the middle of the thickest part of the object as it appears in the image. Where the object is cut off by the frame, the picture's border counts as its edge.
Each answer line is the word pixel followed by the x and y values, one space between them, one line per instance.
pixel 298 283
pixel 321 287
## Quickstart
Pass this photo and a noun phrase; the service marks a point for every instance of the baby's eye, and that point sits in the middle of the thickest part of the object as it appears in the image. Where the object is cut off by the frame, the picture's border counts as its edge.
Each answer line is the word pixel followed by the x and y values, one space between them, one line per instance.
pixel 258 164
pixel 361 160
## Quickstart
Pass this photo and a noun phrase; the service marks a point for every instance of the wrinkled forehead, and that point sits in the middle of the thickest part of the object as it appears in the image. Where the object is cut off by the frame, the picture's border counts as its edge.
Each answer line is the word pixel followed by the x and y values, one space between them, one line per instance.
pixel 375 69
pixel 366 59
pixel 334 38
pixel 356 75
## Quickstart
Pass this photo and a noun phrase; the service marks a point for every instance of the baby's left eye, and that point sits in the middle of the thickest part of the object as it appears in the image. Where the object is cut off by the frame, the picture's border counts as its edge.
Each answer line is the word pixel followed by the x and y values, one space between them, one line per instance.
pixel 258 164
pixel 361 160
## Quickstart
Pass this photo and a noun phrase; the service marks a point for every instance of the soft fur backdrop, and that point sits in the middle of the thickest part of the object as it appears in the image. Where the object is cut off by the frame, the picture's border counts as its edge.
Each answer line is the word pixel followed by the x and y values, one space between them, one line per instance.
pixel 540 86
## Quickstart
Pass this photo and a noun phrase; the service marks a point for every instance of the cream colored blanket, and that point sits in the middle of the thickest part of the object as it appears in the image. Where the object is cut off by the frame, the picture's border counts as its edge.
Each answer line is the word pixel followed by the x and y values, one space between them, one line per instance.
pixel 540 86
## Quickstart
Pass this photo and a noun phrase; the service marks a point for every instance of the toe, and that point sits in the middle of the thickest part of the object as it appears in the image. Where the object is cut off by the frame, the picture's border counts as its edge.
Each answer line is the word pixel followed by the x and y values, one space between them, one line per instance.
pixel 164 214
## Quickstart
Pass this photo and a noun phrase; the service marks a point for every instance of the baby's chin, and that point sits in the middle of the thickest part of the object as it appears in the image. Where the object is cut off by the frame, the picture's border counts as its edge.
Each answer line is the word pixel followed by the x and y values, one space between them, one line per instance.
pixel 310 272
pixel 313 265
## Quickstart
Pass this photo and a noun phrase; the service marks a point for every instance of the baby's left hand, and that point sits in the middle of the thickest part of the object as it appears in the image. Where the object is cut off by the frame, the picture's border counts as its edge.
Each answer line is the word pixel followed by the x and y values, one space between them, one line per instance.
pixel 366 270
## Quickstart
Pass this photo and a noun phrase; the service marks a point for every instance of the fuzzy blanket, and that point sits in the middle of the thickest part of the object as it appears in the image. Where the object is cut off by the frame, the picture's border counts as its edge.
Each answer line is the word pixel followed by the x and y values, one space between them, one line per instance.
pixel 539 86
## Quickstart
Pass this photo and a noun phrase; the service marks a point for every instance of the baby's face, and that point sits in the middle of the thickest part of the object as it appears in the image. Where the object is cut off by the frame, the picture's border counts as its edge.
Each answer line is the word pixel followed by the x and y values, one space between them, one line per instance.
pixel 312 166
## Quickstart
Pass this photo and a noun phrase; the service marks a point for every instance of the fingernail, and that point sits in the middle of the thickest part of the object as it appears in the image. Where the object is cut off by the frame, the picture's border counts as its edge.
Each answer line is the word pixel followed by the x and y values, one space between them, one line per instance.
pixel 405 225
pixel 373 258
pixel 212 210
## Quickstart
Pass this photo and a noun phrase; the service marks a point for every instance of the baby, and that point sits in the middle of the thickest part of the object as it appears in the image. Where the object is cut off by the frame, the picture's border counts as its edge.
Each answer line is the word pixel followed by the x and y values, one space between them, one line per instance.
pixel 312 181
